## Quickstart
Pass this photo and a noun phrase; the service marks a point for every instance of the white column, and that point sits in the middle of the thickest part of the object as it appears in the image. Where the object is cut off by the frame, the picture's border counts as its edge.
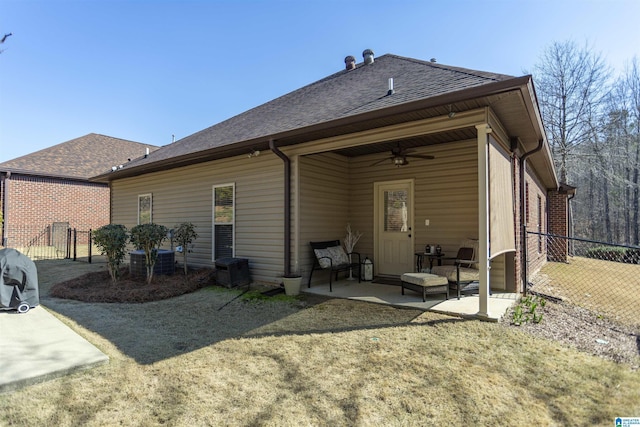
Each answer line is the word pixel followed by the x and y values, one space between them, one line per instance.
pixel 483 218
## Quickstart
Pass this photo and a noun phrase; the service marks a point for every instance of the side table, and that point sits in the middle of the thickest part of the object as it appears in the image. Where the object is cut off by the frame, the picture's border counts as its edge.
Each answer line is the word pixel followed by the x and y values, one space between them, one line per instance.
pixel 420 256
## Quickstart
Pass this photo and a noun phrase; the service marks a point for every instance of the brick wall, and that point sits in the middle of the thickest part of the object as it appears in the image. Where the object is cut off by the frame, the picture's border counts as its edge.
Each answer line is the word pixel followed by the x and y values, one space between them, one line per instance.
pixel 536 221
pixel 518 231
pixel 33 203
pixel 558 225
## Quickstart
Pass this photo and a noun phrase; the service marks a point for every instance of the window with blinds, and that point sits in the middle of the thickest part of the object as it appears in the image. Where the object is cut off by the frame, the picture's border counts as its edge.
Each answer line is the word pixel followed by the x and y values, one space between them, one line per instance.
pixel 144 209
pixel 223 221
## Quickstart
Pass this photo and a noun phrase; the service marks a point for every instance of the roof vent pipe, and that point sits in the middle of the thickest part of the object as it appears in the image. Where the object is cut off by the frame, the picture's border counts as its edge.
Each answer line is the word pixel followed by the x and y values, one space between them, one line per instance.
pixel 368 56
pixel 390 91
pixel 350 62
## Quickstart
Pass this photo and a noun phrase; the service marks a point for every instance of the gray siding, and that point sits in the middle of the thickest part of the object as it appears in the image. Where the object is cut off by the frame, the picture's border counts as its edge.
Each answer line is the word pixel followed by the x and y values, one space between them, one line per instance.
pixel 185 194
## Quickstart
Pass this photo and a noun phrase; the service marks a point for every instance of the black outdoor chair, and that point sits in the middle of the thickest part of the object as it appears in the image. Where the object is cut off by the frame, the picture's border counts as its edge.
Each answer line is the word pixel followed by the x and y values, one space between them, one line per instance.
pixel 331 256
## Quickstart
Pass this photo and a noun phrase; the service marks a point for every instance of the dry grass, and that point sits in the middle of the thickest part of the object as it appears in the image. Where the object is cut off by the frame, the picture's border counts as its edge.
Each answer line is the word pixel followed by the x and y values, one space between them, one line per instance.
pixel 327 362
pixel 605 287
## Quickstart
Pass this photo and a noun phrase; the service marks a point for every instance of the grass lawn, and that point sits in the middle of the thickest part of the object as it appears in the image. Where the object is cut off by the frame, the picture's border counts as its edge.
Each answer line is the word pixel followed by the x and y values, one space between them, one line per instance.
pixel 605 287
pixel 334 363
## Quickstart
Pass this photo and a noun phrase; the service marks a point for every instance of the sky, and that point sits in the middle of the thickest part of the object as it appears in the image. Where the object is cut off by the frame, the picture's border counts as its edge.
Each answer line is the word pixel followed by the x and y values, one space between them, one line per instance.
pixel 152 70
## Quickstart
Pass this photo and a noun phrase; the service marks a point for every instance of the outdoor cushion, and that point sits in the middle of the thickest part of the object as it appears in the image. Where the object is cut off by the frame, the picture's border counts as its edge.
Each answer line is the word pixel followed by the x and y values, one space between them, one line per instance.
pixel 425 284
pixel 449 271
pixel 336 253
pixel 323 257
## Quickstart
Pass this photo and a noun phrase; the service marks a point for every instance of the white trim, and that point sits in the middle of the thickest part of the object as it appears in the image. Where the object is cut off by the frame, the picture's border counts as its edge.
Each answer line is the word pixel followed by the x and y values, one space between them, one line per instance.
pixel 483 218
pixel 150 195
pixel 213 219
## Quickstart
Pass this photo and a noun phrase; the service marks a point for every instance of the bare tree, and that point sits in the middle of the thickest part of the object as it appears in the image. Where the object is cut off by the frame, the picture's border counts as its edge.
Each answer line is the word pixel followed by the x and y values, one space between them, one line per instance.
pixel 632 83
pixel 571 83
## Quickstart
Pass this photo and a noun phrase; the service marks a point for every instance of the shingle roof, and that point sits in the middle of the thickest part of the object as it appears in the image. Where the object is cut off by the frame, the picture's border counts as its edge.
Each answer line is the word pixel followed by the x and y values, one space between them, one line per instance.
pixel 79 158
pixel 343 94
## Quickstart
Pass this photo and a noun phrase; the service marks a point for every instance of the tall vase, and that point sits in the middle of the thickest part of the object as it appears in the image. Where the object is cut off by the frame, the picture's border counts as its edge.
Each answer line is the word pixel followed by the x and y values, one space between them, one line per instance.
pixel 350 270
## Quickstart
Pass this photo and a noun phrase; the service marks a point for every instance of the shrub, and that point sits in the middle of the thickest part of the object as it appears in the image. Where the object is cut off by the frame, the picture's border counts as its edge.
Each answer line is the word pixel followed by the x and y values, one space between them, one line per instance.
pixel 185 234
pixel 613 253
pixel 526 310
pixel 149 237
pixel 111 239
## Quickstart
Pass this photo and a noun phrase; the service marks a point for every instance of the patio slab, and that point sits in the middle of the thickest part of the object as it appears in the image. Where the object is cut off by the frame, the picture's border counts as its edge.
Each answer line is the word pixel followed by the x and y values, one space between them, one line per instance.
pixel 378 293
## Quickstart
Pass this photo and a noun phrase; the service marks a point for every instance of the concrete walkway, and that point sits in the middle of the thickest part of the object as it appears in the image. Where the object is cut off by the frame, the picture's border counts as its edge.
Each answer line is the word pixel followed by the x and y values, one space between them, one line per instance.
pixel 467 306
pixel 36 347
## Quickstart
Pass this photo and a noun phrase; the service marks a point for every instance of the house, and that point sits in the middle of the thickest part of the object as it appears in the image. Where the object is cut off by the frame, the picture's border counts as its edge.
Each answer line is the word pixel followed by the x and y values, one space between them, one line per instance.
pixel 263 184
pixel 47 192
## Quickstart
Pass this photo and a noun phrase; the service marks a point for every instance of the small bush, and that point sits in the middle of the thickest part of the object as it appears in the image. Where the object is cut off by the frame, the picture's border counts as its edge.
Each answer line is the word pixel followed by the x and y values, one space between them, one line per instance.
pixel 527 310
pixel 149 237
pixel 185 234
pixel 111 239
pixel 616 254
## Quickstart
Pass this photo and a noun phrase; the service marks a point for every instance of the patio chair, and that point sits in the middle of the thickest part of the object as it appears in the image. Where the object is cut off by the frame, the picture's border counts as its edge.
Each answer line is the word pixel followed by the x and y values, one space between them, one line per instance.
pixel 463 275
pixel 331 256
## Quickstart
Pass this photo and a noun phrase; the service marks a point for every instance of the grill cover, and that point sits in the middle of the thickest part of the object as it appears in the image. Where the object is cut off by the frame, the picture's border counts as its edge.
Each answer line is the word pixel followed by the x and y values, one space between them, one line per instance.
pixel 19 279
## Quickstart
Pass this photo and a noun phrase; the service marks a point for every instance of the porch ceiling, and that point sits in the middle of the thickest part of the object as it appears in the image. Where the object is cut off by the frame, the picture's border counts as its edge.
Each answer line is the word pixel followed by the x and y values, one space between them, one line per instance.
pixel 421 141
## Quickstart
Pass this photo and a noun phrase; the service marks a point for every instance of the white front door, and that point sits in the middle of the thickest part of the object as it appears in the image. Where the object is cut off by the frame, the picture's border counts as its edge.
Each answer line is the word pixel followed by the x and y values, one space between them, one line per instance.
pixel 393 218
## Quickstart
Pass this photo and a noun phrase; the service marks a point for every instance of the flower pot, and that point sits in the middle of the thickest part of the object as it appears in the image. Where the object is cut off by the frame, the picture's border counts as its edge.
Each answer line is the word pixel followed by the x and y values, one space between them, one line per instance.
pixel 292 285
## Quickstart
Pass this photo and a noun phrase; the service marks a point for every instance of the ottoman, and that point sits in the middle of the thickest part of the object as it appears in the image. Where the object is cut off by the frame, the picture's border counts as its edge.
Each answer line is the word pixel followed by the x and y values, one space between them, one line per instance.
pixel 425 283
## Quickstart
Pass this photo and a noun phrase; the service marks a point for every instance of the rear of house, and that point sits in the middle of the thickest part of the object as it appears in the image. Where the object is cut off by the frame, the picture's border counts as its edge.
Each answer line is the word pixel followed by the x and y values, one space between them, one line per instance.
pixel 433 157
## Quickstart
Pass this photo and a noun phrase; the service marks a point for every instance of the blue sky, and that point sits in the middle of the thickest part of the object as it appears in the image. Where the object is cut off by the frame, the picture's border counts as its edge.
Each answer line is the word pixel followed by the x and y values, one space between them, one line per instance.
pixel 145 70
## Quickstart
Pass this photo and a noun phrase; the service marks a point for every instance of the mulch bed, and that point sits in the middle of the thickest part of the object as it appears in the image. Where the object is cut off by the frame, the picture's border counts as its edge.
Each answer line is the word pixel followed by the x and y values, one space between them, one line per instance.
pixel 97 286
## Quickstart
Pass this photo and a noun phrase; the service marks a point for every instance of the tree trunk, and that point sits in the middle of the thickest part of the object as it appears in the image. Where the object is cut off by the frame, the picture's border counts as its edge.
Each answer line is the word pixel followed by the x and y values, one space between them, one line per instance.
pixel 635 203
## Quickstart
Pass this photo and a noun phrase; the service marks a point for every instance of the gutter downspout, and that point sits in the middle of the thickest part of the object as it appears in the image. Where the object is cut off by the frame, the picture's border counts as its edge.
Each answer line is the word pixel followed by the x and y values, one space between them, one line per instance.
pixel 287 206
pixel 523 223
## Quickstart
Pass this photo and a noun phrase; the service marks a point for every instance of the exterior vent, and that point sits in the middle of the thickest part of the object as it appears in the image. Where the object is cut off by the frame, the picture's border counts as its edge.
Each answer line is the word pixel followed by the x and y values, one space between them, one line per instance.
pixel 165 263
pixel 350 62
pixel 368 56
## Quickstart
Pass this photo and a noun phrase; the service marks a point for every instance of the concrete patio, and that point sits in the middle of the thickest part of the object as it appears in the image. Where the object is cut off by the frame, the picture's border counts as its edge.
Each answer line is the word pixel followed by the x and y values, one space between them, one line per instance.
pixel 378 293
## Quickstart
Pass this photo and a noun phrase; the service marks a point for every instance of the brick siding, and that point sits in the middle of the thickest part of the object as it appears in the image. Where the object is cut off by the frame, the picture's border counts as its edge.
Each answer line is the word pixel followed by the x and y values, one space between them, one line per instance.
pixel 33 203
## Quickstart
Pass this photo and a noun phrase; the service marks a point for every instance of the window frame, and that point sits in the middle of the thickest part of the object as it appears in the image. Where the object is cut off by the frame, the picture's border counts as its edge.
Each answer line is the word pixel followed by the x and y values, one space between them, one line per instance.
pixel 150 196
pixel 232 223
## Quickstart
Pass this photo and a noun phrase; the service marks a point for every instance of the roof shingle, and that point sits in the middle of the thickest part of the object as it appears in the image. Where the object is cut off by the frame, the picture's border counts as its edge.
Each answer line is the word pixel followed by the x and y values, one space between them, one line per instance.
pixel 343 94
pixel 80 158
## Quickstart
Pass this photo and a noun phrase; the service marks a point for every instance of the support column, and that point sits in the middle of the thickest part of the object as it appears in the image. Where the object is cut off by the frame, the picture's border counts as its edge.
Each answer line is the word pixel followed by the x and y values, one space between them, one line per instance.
pixel 483 218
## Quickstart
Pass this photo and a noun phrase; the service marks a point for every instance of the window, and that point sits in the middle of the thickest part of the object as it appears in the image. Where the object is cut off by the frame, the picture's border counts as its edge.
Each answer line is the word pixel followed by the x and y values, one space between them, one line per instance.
pixel 223 221
pixel 395 211
pixel 144 208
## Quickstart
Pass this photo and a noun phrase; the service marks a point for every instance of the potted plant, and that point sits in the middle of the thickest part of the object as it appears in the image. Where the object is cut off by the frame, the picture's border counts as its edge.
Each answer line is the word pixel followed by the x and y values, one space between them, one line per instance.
pixel 292 282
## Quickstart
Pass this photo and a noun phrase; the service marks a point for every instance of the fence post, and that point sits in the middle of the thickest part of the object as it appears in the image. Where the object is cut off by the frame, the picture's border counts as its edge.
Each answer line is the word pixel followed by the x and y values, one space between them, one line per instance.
pixel 68 248
pixel 75 244
pixel 90 244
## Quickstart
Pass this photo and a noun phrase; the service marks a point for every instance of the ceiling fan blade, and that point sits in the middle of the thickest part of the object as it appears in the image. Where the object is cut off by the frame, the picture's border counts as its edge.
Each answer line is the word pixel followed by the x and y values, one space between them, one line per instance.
pixel 420 156
pixel 381 161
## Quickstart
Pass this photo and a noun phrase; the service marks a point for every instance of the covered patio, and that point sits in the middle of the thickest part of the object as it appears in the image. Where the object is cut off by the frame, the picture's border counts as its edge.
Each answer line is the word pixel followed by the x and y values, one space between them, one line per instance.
pixel 380 293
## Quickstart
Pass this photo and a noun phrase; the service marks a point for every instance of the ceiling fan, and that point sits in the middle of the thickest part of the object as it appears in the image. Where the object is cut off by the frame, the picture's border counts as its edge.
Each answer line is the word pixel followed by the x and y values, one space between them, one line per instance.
pixel 399 157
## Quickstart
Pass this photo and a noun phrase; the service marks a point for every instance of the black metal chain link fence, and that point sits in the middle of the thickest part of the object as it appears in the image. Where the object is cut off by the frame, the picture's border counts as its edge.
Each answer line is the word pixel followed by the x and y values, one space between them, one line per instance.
pixel 601 277
pixel 57 241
